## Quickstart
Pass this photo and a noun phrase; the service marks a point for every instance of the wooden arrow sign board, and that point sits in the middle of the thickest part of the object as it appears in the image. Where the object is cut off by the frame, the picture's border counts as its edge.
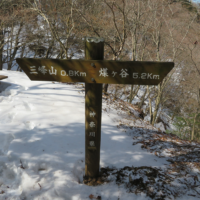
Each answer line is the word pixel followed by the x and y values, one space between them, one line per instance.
pixel 3 77
pixel 95 71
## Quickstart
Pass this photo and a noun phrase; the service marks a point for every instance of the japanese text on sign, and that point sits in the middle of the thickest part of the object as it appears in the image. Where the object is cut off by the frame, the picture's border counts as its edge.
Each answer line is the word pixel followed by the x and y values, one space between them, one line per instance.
pixel 124 73
pixel 54 71
pixel 92 125
pixel 103 72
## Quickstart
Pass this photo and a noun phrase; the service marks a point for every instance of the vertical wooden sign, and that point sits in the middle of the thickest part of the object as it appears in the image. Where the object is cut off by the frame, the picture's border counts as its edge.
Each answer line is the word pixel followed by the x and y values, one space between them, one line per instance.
pixel 94 50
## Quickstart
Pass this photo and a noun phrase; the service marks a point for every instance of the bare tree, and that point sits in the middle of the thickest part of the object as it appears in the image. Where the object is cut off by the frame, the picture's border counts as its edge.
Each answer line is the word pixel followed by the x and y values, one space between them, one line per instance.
pixel 60 18
pixel 166 47
pixel 137 24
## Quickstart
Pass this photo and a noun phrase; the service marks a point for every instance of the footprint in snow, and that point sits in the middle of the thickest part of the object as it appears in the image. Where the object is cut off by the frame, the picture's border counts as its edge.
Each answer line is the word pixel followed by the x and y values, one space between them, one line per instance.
pixel 22 88
pixel 28 106
pixel 9 174
pixel 5 139
pixel 8 117
pixel 78 170
pixel 10 91
pixel 29 125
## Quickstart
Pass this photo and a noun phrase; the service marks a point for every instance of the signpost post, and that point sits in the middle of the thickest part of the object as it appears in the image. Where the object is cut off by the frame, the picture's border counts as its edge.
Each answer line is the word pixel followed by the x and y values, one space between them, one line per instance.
pixel 94 71
pixel 94 50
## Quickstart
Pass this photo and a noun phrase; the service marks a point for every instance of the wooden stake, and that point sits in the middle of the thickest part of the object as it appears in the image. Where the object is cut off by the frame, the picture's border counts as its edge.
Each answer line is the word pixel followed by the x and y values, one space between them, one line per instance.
pixel 94 50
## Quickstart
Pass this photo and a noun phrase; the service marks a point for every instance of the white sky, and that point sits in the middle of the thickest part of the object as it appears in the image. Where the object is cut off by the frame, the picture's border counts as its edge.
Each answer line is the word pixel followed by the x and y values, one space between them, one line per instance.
pixel 198 1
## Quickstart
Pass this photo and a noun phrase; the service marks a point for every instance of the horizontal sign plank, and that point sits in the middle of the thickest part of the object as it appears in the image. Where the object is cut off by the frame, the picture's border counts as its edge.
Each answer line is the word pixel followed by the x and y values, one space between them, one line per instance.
pixel 95 71
pixel 3 77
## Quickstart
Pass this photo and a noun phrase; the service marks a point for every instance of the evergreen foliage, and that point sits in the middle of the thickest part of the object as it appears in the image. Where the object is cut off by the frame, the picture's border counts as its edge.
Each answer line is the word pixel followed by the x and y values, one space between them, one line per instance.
pixel 184 125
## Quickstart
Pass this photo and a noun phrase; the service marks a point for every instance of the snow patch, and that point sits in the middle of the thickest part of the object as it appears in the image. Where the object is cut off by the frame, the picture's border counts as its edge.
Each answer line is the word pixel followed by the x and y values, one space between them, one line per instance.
pixel 160 126
pixel 29 125
pixel 78 170
pixel 9 174
pixel 5 139
pixel 28 106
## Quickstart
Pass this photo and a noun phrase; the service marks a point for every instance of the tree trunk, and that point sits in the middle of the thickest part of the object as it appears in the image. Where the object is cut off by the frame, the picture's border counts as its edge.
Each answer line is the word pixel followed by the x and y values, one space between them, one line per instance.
pixel 133 93
pixel 105 88
pixel 1 50
pixel 158 99
pixel 196 114
pixel 193 127
pixel 1 59
pixel 142 99
pixel 150 106
pixel 12 56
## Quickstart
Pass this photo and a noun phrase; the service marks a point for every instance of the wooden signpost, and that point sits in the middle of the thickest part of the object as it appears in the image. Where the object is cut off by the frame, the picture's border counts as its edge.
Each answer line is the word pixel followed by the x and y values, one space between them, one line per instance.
pixel 3 77
pixel 94 71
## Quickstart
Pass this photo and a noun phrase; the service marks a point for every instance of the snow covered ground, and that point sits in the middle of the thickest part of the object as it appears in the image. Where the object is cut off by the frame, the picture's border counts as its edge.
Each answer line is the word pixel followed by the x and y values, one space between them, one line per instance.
pixel 42 138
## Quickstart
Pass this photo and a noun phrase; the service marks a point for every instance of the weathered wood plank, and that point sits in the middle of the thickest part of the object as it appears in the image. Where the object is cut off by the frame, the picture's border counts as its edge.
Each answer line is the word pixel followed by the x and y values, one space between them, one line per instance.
pixel 93 107
pixel 3 77
pixel 95 71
